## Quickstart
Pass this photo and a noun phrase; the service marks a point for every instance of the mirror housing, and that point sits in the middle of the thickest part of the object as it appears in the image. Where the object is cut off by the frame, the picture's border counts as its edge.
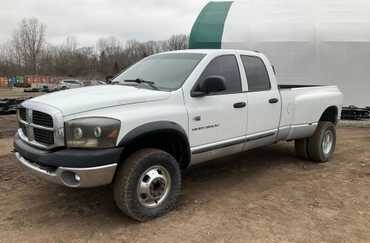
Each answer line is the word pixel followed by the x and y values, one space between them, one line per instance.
pixel 211 84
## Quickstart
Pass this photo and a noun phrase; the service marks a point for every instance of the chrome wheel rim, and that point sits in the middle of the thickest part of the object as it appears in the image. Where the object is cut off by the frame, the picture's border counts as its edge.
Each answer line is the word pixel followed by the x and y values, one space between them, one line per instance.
pixel 154 186
pixel 327 142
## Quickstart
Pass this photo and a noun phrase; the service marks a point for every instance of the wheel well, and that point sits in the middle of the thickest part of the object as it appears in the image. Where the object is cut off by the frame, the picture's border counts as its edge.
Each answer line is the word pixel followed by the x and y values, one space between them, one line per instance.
pixel 330 114
pixel 170 141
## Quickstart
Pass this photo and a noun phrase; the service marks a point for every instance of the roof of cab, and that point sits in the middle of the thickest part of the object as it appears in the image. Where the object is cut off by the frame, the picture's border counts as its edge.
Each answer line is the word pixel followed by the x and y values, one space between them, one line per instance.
pixel 211 51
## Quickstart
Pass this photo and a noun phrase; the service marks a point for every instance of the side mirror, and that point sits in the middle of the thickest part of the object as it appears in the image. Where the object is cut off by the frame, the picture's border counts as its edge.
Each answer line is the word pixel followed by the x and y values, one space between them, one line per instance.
pixel 211 84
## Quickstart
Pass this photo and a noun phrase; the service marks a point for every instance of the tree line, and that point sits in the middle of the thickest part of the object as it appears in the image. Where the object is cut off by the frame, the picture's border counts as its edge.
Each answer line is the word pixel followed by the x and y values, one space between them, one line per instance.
pixel 28 52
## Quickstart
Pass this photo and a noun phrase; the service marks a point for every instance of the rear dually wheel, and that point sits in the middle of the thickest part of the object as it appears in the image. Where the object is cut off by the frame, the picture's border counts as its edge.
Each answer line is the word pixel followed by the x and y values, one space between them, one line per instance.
pixel 321 146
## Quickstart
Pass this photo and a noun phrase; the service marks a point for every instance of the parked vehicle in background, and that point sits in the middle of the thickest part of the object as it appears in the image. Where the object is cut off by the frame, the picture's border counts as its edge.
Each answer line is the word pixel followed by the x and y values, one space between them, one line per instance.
pixel 9 105
pixel 355 113
pixel 22 85
pixel 31 90
pixel 166 113
pixel 69 84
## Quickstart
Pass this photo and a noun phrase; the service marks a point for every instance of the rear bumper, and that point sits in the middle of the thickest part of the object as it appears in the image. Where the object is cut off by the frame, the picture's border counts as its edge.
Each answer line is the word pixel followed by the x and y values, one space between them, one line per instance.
pixel 69 167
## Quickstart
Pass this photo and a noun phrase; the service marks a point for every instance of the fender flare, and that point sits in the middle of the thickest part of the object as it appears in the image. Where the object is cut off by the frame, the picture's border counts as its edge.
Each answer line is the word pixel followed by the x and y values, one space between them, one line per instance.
pixel 157 127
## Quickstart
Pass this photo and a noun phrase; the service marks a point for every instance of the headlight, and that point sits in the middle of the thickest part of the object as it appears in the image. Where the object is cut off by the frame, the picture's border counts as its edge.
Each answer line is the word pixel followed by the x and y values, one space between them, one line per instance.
pixel 92 132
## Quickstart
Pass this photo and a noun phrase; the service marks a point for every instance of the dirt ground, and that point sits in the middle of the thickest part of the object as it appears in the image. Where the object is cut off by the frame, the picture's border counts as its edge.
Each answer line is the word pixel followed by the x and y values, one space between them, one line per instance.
pixel 265 195
pixel 17 93
pixel 8 126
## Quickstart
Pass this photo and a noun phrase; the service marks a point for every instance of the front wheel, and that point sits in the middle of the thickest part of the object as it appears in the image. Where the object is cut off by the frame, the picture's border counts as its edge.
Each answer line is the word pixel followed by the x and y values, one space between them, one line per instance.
pixel 147 185
pixel 321 145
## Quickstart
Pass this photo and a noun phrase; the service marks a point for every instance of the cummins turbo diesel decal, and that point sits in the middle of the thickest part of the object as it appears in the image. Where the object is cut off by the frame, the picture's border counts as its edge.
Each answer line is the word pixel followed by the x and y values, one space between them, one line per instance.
pixel 205 127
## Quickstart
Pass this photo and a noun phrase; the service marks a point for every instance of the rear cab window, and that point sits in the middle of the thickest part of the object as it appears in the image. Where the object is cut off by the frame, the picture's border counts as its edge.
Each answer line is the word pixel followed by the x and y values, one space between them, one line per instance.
pixel 256 72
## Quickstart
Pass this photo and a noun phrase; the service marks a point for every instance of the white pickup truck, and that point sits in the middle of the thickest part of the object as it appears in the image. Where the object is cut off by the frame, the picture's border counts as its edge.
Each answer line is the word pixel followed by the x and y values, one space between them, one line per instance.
pixel 166 113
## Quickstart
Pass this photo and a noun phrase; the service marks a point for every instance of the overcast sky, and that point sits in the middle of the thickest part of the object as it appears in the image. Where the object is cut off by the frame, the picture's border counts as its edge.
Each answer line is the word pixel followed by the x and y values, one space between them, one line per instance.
pixel 88 20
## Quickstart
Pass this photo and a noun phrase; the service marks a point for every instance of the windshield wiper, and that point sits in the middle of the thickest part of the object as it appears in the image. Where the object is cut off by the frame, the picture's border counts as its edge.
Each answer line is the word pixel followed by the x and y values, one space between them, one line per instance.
pixel 142 81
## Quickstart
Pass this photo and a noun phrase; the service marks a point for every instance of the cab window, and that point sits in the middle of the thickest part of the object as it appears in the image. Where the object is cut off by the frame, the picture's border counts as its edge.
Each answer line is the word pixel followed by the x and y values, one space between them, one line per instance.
pixel 257 76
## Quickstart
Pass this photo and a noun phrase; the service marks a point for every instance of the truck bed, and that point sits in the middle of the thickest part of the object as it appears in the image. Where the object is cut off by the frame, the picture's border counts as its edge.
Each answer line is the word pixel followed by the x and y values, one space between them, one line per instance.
pixel 302 106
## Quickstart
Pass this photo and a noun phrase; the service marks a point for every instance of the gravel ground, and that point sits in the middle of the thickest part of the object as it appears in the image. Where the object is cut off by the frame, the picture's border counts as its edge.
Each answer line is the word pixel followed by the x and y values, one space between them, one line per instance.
pixel 8 125
pixel 17 93
pixel 354 123
pixel 264 195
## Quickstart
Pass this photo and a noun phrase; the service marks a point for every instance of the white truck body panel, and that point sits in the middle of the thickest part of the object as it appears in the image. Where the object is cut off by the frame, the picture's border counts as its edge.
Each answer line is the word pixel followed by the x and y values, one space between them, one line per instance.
pixel 169 107
pixel 96 97
pixel 302 106
pixel 258 106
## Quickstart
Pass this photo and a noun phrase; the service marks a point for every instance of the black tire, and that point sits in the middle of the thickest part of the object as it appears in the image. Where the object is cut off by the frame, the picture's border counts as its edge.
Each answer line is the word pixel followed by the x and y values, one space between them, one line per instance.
pixel 126 183
pixel 315 145
pixel 301 148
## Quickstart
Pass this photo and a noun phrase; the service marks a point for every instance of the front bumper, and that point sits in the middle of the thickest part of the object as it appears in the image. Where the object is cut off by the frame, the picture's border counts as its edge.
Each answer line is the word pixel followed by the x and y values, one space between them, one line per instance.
pixel 72 177
pixel 69 167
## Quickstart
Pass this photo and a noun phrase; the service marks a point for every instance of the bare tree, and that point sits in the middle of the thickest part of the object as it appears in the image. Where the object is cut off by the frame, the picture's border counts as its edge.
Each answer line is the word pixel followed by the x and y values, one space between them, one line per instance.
pixel 110 53
pixel 152 47
pixel 135 50
pixel 177 42
pixel 29 39
pixel 28 53
pixel 70 44
pixel 111 46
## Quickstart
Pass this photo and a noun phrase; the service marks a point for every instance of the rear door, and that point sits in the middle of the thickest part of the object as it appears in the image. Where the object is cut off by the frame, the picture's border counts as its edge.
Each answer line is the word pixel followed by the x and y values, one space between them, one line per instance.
pixel 222 116
pixel 263 100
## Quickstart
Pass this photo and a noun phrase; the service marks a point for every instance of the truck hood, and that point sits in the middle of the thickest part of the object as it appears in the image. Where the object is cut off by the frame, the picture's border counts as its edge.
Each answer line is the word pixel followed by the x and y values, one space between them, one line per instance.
pixel 97 97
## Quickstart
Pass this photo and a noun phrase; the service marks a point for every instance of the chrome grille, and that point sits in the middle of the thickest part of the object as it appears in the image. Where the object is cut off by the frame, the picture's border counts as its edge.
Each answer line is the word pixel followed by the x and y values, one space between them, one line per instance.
pixel 42 119
pixel 40 125
pixel 43 136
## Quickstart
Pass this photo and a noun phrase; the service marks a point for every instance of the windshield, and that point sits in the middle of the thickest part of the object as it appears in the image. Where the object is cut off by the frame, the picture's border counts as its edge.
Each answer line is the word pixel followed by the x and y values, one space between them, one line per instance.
pixel 165 71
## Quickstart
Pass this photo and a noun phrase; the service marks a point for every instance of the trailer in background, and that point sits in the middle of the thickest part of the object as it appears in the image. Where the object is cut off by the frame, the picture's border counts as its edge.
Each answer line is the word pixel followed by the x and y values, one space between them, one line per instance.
pixel 355 113
pixel 309 42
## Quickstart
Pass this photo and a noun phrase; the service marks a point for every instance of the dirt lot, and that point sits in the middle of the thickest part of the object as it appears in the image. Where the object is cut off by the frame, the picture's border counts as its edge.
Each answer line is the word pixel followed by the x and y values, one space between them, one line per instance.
pixel 8 126
pixel 17 93
pixel 265 195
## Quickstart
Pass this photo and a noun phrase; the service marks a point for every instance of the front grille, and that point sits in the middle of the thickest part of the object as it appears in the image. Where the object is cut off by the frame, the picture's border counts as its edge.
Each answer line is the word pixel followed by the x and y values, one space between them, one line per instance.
pixel 43 136
pixel 42 119
pixel 37 125
pixel 22 114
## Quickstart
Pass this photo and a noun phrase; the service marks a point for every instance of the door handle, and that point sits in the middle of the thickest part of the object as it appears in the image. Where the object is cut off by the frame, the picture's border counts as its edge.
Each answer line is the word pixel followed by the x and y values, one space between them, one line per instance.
pixel 273 100
pixel 240 105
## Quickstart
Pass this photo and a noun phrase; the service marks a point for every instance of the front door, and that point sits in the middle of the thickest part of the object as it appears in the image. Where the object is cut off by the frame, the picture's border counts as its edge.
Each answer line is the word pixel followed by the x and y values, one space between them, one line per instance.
pixel 219 118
